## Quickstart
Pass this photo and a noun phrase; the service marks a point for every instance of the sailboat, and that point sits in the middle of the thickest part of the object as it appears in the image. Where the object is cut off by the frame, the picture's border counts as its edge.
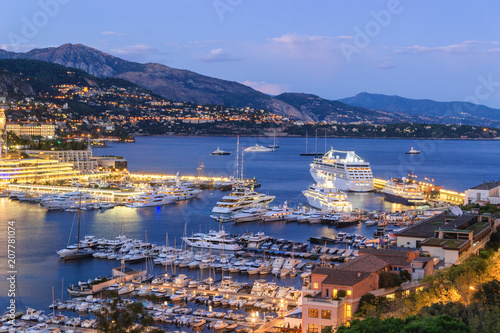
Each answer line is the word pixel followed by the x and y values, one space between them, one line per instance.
pixel 274 145
pixel 78 254
pixel 315 153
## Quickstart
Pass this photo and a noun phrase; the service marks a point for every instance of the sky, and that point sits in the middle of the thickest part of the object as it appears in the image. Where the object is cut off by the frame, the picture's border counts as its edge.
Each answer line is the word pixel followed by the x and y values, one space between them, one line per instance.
pixel 447 50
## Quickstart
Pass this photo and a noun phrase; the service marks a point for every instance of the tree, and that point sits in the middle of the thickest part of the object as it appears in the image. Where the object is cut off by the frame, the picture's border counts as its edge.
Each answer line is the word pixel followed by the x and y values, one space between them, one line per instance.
pixel 412 324
pixel 488 293
pixel 405 275
pixel 126 319
pixel 326 329
pixel 389 280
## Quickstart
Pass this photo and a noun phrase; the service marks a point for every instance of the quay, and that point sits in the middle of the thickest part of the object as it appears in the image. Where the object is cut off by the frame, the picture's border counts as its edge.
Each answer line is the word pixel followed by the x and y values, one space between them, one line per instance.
pixel 123 194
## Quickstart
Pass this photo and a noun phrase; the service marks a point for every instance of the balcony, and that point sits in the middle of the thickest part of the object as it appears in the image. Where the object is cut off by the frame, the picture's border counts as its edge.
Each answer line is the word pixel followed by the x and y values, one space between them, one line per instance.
pixel 318 300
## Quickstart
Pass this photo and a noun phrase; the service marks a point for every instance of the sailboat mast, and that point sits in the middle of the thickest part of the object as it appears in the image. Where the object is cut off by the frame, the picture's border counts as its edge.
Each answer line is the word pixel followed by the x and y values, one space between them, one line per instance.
pixel 316 142
pixel 79 212
pixel 237 156
pixel 306 142
pixel 242 166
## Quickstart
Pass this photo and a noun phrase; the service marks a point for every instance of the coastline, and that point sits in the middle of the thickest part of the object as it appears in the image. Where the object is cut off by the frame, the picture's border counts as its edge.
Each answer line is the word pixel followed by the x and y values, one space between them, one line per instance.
pixel 319 138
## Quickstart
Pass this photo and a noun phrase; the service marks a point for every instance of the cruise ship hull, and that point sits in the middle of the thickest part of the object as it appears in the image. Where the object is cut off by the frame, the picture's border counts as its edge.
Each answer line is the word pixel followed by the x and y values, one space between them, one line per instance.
pixel 320 176
pixel 397 199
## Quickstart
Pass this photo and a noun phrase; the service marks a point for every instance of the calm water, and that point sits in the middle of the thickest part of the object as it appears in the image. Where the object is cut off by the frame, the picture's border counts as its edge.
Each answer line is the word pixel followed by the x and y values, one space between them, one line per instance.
pixel 456 165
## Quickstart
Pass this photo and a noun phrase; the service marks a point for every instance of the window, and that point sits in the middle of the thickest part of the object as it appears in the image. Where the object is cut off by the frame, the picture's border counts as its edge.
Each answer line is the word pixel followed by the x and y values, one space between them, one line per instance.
pixel 312 328
pixel 334 293
pixel 327 292
pixel 315 285
pixel 390 297
pixel 349 292
pixel 348 310
pixel 313 313
pixel 326 314
pixel 324 326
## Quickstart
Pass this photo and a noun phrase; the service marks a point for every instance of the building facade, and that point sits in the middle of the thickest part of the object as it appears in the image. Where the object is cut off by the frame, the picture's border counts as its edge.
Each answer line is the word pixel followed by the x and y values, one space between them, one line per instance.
pixel 35 170
pixel 333 294
pixel 487 192
pixel 43 130
pixel 81 159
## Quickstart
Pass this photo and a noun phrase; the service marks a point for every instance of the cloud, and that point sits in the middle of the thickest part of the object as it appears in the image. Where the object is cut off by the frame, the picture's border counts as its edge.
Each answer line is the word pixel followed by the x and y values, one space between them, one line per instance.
pixel 138 49
pixel 216 55
pixel 306 48
pixel 295 40
pixel 460 48
pixel 267 88
pixel 386 66
pixel 417 49
pixel 113 33
pixel 17 47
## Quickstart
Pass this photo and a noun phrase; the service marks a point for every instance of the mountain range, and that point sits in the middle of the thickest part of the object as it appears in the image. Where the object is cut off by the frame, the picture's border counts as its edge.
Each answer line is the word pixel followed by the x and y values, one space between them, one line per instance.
pixel 187 86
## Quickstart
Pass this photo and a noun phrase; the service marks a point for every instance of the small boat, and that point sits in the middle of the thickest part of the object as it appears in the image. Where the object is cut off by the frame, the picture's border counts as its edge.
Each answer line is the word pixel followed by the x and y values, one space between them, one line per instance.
pixel 220 152
pixel 413 152
pixel 219 325
pixel 198 322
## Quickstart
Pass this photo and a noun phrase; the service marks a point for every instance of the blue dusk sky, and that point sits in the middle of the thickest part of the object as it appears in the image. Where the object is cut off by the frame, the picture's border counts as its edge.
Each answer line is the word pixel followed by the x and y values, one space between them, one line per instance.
pixel 445 50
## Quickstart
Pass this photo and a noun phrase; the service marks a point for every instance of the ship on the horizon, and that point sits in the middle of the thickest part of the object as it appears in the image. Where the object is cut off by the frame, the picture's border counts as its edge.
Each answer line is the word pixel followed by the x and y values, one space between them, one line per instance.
pixel 413 152
pixel 219 151
pixel 348 171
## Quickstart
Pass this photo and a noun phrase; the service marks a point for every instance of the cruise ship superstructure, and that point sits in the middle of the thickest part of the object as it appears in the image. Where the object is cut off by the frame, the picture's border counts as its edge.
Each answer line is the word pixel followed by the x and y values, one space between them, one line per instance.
pixel 348 171
pixel 327 198
pixel 405 191
pixel 241 198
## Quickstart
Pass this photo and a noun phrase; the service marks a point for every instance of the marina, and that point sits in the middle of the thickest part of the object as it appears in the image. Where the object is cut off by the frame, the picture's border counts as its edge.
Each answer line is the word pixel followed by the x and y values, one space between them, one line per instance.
pixel 41 263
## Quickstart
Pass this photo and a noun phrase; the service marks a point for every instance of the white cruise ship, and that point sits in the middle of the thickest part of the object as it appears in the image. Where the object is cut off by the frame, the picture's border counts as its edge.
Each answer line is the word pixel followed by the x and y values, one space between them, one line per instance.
pixel 241 198
pixel 150 199
pixel 348 171
pixel 327 198
pixel 68 200
pixel 213 240
pixel 257 148
pixel 404 191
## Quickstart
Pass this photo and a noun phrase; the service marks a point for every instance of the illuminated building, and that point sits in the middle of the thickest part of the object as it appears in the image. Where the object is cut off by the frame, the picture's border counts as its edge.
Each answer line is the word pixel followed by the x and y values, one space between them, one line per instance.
pixel 80 159
pixel 31 170
pixel 43 130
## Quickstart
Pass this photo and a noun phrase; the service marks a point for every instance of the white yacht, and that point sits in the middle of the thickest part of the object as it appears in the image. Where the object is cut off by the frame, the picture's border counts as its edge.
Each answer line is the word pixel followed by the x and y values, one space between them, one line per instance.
pixel 150 199
pixel 249 215
pixel 257 148
pixel 68 200
pixel 219 151
pixel 255 241
pixel 403 190
pixel 213 240
pixel 181 192
pixel 327 198
pixel 348 171
pixel 241 198
pixel 277 214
